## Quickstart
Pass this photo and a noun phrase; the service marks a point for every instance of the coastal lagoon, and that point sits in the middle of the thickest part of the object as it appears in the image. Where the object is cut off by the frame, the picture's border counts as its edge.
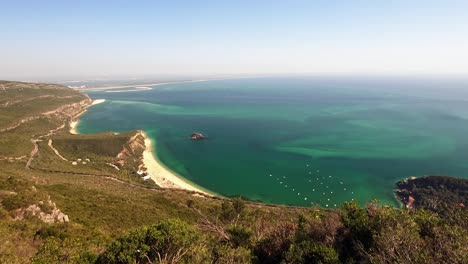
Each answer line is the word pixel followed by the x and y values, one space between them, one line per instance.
pixel 297 140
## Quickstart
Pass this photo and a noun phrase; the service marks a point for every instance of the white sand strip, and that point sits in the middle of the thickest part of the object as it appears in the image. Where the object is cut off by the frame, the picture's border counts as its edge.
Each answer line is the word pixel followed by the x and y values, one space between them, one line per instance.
pixel 73 125
pixel 163 176
pixel 98 101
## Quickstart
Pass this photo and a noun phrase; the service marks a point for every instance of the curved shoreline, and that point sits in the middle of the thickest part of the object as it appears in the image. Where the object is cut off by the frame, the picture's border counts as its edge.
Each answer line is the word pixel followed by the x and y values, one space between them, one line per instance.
pixel 75 121
pixel 163 176
pixel 158 172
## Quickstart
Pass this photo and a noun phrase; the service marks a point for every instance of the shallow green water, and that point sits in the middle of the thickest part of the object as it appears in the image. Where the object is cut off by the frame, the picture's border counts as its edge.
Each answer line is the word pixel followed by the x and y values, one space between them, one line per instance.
pixel 297 141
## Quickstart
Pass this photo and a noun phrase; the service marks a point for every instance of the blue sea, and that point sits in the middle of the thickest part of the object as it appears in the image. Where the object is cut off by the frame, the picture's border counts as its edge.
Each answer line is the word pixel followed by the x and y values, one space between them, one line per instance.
pixel 308 141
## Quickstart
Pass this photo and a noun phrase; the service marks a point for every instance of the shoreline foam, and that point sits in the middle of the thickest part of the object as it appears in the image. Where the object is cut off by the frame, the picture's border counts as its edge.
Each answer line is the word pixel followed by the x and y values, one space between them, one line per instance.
pixel 161 175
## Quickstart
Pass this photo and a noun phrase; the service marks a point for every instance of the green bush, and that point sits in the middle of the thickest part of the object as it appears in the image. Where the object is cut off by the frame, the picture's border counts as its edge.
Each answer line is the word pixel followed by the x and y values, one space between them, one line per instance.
pixel 169 241
pixel 228 212
pixel 356 219
pixel 13 202
pixel 224 254
pixel 311 252
pixel 238 204
pixel 47 231
pixel 240 236
pixel 55 250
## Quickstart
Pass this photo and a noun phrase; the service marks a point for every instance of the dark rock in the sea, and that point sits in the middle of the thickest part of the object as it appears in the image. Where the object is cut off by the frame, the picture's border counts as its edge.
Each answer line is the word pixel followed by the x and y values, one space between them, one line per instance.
pixel 197 136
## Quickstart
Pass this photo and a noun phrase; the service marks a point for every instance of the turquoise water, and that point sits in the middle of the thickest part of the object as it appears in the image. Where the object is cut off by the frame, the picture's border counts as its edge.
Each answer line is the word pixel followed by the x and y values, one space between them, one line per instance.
pixel 301 140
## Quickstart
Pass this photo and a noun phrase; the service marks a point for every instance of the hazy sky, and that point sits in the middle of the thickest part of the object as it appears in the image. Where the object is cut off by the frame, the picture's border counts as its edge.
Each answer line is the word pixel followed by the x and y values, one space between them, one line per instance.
pixel 81 39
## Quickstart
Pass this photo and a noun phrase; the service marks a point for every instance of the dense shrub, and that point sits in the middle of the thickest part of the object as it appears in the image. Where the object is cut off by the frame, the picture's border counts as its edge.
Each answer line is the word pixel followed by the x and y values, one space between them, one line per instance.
pixel 308 251
pixel 170 241
pixel 55 250
pixel 240 236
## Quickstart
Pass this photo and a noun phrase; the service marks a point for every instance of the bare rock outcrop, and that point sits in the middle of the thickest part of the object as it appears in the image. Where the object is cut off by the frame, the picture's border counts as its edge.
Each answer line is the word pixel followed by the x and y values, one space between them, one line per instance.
pixel 132 149
pixel 46 211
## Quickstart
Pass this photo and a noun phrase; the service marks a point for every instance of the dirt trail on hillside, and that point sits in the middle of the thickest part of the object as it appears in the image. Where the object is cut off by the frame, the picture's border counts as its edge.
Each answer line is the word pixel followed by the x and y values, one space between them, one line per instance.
pixel 33 153
pixel 55 150
pixel 34 140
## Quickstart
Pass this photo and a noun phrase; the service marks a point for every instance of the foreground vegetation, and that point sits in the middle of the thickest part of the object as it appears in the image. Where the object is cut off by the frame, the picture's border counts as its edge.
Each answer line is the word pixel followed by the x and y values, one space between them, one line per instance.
pixel 236 233
pixel 114 216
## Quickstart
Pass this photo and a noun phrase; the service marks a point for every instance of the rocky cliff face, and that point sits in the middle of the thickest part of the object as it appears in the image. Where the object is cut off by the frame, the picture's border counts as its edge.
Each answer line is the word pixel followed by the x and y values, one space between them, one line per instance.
pixel 132 151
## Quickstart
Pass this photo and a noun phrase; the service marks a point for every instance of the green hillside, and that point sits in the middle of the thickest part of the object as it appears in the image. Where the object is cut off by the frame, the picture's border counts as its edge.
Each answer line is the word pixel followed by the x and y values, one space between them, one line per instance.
pixel 63 200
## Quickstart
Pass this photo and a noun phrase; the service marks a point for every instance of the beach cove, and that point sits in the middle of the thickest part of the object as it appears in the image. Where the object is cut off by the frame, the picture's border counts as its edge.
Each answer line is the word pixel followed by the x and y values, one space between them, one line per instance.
pixel 158 173
pixel 294 141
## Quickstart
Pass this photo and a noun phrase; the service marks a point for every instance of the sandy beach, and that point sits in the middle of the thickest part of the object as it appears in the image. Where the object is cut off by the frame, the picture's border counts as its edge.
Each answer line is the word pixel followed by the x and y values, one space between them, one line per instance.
pixel 73 125
pixel 163 176
pixel 98 101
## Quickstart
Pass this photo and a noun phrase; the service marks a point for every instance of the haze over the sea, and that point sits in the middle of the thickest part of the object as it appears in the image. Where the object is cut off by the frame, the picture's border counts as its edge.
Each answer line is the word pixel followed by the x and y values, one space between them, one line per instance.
pixel 297 140
pixel 55 40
